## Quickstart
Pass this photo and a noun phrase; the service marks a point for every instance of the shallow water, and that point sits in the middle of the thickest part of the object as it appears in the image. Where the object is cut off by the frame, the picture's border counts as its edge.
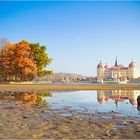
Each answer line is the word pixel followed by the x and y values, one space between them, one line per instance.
pixel 120 101
pixel 123 102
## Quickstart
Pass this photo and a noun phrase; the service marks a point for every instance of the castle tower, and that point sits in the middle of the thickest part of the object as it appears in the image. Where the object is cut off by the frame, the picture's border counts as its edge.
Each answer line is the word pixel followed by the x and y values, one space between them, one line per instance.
pixel 133 71
pixel 100 72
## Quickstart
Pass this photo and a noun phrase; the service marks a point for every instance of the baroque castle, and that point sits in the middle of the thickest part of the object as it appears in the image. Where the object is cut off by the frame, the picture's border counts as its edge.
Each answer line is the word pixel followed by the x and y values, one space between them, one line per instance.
pixel 117 73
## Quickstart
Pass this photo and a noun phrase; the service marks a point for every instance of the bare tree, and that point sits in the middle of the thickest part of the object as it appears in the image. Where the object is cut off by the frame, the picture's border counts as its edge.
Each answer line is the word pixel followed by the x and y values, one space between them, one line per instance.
pixel 3 42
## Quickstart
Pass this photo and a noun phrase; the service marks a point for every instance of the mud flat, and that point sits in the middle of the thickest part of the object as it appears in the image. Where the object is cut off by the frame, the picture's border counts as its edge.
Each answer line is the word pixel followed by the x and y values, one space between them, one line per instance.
pixel 62 87
pixel 41 123
pixel 22 116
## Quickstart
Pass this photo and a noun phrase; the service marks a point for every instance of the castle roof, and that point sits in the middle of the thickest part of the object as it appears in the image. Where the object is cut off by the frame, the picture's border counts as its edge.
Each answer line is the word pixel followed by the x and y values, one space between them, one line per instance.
pixel 106 66
pixel 118 67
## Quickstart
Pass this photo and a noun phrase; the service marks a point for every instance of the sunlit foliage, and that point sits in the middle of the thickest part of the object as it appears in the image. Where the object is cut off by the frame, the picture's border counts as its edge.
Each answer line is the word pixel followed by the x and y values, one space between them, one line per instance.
pixel 22 61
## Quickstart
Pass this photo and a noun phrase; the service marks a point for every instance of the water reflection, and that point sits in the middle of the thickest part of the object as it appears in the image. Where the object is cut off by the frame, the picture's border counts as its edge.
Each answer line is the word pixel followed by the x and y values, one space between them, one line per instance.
pixel 122 101
pixel 24 99
pixel 118 96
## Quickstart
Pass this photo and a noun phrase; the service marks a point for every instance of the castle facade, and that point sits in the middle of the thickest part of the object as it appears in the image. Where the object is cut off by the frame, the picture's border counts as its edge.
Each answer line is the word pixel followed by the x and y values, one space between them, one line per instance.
pixel 117 73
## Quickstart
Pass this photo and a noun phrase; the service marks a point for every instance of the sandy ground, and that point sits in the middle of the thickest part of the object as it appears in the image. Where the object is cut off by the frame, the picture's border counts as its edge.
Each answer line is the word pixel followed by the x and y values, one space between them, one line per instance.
pixel 40 123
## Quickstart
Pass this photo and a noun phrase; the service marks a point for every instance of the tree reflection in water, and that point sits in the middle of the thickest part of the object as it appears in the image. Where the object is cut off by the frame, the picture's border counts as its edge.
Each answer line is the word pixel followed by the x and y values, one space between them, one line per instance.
pixel 26 99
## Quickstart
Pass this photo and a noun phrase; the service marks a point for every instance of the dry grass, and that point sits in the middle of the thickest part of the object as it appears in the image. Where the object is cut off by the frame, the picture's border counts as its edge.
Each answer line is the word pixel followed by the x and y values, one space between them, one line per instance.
pixel 52 87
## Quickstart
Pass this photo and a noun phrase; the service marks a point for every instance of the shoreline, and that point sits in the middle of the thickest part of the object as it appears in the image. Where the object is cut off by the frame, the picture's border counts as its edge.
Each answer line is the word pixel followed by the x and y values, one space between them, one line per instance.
pixel 67 87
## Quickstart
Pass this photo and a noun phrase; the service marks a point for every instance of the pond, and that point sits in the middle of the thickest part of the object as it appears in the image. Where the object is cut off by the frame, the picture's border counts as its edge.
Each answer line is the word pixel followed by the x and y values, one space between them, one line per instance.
pixel 123 102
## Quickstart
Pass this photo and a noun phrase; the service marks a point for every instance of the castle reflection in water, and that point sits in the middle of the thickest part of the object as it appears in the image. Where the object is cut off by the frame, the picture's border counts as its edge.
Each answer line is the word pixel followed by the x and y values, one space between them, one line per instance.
pixel 118 96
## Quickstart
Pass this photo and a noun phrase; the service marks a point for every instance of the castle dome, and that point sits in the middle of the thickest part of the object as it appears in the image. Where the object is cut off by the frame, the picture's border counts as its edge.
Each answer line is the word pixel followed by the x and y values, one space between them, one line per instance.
pixel 132 64
pixel 100 65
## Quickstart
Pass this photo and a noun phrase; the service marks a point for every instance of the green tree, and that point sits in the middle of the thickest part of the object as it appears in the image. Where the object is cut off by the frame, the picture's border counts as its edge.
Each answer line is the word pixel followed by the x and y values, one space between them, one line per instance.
pixel 41 58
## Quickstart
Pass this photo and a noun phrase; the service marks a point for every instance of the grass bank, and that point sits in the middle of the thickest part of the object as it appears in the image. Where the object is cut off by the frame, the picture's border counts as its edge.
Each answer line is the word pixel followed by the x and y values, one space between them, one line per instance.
pixel 65 87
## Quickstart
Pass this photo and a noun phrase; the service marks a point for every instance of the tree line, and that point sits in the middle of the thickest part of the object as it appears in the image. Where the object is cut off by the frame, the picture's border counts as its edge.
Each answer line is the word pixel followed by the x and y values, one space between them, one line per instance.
pixel 22 61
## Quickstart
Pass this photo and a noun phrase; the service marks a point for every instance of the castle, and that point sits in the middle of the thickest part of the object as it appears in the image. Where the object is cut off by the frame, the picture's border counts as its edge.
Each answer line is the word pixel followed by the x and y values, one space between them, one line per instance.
pixel 117 73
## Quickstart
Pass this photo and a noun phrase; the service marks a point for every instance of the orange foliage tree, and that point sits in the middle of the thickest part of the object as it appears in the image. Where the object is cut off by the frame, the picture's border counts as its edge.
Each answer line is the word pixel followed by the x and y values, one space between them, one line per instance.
pixel 17 62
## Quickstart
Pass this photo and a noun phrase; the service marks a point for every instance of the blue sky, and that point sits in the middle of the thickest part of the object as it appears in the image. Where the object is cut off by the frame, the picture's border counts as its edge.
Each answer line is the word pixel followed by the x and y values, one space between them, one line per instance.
pixel 78 34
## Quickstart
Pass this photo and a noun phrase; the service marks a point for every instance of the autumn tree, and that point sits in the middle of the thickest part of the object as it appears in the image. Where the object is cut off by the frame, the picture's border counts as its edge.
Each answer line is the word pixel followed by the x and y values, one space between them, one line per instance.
pixel 22 61
pixel 17 62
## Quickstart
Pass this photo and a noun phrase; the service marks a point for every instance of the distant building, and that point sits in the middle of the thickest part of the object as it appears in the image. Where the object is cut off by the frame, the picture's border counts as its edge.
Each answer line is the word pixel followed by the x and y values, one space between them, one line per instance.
pixel 117 73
